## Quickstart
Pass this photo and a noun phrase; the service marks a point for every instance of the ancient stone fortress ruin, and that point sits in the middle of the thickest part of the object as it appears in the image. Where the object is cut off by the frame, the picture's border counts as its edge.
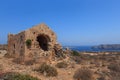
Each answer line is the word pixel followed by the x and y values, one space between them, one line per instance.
pixel 34 43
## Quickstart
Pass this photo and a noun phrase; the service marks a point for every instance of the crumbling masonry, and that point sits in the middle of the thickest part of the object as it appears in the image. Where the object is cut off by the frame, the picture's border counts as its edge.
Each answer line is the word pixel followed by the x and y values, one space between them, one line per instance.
pixel 42 43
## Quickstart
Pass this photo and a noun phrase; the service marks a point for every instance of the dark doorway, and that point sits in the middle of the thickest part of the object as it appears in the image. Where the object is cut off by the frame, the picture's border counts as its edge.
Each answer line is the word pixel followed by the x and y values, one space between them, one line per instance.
pixel 43 42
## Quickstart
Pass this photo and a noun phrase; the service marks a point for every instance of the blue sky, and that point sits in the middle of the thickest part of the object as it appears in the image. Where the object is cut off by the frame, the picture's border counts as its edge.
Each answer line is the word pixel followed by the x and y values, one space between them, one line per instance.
pixel 76 22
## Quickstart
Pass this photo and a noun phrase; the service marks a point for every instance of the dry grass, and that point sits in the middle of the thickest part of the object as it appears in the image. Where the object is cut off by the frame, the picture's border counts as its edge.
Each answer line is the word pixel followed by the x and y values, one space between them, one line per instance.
pixel 16 76
pixel 83 74
pixel 62 65
pixel 47 70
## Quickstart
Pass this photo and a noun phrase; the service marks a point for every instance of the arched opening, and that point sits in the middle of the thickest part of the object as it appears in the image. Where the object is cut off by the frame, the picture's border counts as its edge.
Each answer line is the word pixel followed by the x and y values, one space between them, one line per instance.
pixel 14 46
pixel 43 41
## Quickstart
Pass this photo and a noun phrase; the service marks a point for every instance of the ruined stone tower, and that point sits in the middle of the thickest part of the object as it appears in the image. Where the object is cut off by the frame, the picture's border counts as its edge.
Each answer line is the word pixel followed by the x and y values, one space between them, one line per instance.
pixel 37 41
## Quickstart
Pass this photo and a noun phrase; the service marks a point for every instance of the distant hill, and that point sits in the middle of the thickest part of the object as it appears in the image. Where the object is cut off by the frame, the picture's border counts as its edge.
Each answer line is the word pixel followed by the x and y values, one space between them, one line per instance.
pixel 108 46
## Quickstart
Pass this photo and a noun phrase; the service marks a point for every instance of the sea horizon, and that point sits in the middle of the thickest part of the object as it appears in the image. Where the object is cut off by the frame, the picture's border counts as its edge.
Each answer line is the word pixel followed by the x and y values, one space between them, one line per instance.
pixel 88 48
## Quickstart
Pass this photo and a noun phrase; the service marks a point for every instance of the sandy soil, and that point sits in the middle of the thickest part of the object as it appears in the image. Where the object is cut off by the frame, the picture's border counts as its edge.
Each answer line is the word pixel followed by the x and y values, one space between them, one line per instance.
pixel 6 65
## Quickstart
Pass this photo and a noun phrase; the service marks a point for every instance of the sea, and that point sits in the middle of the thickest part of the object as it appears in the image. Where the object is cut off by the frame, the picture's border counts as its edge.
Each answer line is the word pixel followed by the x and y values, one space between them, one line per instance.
pixel 90 49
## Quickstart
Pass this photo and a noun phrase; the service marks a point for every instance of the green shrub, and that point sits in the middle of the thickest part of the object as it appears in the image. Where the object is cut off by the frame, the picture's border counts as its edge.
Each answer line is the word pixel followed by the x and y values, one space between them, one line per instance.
pixel 62 65
pixel 77 59
pixel 28 42
pixel 75 53
pixel 17 76
pixel 49 70
pixel 83 74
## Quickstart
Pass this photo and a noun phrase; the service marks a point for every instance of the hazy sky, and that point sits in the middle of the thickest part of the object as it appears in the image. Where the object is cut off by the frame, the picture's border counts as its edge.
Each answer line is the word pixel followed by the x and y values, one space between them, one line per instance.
pixel 76 22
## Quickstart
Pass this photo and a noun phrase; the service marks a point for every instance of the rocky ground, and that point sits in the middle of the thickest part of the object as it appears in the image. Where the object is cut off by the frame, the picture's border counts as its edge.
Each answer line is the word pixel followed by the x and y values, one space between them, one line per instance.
pixel 101 65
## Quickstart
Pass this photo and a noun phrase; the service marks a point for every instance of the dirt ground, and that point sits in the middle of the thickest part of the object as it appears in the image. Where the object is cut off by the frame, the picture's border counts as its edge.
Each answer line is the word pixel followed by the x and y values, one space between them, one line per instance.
pixel 97 63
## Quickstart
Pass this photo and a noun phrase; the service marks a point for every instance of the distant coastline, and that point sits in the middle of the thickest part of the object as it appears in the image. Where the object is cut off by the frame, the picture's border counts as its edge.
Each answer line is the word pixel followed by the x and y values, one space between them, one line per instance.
pixel 108 46
pixel 97 48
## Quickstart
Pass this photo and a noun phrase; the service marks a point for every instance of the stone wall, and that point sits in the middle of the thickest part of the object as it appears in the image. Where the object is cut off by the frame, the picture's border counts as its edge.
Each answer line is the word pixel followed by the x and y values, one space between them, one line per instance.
pixel 43 43
pixel 16 44
pixel 36 50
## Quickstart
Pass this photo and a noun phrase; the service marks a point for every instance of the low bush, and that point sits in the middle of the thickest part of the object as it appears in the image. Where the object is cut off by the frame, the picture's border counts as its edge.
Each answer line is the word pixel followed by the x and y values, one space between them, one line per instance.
pixel 18 60
pixel 77 59
pixel 1 67
pixel 114 67
pixel 62 65
pixel 114 75
pixel 29 62
pixel 83 74
pixel 114 71
pixel 16 76
pixel 101 78
pixel 7 55
pixel 75 53
pixel 47 70
pixel 28 43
